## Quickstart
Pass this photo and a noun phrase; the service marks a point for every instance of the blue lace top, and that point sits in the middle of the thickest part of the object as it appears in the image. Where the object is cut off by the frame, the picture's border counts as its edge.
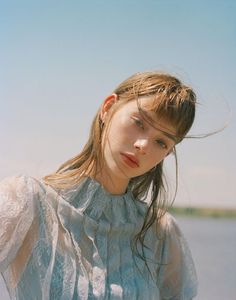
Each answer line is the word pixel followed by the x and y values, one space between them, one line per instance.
pixel 77 244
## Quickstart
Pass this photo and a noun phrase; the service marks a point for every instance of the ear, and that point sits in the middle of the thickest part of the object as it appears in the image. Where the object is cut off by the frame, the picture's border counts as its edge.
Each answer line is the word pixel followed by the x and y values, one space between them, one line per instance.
pixel 171 152
pixel 107 104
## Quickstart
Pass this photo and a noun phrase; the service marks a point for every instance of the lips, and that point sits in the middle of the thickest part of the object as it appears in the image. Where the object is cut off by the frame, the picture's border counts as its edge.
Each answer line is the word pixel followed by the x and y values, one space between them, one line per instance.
pixel 130 159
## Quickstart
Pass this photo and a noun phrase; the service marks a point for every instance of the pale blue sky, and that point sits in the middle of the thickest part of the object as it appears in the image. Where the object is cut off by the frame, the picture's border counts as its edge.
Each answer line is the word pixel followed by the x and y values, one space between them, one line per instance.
pixel 59 59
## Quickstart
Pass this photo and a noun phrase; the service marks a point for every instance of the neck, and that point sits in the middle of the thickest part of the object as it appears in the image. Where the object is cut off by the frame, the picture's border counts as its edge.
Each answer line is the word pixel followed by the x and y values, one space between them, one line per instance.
pixel 112 185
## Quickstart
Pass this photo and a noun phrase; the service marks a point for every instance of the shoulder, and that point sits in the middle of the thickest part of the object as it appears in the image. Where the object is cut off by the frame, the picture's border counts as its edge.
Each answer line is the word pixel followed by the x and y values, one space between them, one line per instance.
pixel 20 183
pixel 168 221
pixel 19 191
pixel 177 274
pixel 174 243
pixel 167 226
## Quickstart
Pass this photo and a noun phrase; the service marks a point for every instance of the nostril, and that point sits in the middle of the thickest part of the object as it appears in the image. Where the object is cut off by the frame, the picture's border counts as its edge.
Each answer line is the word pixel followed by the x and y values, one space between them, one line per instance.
pixel 140 148
pixel 141 145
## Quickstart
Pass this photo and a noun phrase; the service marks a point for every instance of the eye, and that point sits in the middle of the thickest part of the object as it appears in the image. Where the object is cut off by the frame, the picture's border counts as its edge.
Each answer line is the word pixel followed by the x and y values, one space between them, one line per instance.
pixel 162 144
pixel 138 122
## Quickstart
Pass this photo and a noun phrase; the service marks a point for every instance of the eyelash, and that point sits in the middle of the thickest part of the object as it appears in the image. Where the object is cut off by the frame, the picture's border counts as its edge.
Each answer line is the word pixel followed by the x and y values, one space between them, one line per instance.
pixel 139 123
pixel 162 144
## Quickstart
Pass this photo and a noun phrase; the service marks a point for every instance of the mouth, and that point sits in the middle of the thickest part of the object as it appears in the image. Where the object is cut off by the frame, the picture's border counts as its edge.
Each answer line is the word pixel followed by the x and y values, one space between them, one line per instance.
pixel 130 159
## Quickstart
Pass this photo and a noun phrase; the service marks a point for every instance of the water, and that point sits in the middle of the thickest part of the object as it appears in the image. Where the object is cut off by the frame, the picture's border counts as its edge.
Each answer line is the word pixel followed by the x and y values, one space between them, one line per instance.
pixel 213 245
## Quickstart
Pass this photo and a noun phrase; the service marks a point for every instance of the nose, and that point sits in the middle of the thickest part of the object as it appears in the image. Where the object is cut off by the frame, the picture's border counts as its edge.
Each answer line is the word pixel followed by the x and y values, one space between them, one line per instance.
pixel 141 145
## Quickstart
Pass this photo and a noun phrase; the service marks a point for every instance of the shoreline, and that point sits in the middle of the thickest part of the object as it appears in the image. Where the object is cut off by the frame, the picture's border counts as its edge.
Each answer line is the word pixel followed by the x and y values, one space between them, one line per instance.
pixel 204 212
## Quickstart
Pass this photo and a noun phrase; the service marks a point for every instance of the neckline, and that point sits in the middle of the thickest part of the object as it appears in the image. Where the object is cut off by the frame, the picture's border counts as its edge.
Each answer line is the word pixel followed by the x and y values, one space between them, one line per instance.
pixel 127 196
pixel 107 193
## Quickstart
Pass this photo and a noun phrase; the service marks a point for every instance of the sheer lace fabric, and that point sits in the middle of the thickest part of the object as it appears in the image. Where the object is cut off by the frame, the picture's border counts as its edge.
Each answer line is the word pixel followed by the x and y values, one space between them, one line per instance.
pixel 76 244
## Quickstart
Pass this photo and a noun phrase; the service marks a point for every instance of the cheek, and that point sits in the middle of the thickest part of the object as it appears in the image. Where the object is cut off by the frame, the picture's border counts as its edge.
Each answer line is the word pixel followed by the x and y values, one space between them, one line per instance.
pixel 120 132
pixel 156 156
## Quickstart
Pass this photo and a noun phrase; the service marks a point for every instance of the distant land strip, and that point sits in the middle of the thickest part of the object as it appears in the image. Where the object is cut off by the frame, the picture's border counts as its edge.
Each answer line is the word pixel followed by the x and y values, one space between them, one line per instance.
pixel 204 212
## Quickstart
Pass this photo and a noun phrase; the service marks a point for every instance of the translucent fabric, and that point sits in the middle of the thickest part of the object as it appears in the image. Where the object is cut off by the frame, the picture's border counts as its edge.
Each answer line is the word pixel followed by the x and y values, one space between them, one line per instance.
pixel 76 244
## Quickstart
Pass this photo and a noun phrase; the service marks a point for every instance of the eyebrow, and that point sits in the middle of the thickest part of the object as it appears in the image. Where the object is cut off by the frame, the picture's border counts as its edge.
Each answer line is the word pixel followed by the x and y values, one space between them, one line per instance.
pixel 168 135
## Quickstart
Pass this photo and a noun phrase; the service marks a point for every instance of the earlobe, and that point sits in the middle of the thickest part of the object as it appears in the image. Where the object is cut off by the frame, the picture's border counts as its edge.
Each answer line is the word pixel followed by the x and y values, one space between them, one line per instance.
pixel 107 104
pixel 172 151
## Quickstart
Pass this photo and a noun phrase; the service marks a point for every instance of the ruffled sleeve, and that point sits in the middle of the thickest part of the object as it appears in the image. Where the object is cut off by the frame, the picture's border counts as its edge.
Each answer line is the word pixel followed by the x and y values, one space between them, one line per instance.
pixel 16 216
pixel 177 278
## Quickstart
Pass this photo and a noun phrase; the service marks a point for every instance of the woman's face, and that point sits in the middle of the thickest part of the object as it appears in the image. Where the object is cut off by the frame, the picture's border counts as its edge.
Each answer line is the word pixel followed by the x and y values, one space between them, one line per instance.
pixel 131 145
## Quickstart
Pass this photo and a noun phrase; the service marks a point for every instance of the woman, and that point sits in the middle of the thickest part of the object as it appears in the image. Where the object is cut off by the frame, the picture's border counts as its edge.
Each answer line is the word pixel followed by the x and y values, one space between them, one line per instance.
pixel 98 227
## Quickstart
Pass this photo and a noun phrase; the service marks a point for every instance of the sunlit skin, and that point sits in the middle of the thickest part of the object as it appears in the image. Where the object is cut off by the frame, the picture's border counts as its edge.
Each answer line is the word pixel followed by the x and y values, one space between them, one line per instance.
pixel 132 146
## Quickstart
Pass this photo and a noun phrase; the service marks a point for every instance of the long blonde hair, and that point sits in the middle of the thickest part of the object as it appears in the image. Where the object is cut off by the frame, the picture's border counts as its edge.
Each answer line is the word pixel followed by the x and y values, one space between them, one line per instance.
pixel 173 101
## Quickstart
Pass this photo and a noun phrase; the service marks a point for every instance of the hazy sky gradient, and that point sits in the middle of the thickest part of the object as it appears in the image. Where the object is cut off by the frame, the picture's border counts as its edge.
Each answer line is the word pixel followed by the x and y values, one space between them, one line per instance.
pixel 60 59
